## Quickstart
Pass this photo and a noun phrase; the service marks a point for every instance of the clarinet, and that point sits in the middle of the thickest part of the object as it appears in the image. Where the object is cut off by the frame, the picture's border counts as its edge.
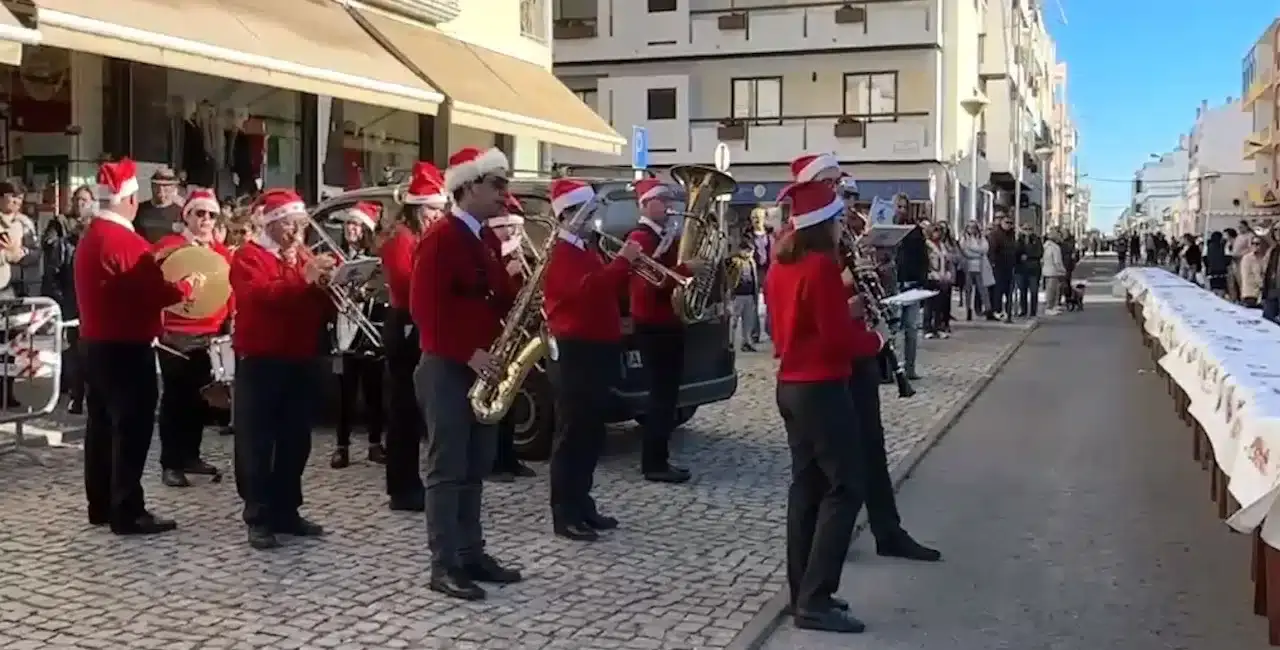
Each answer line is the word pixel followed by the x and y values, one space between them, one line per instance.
pixel 867 283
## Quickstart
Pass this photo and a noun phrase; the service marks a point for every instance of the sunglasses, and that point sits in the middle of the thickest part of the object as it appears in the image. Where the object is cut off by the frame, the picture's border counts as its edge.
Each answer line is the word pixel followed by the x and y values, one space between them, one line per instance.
pixel 204 214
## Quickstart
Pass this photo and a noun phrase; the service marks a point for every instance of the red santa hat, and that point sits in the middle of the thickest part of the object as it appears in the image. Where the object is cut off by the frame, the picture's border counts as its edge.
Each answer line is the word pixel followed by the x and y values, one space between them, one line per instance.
pixel 279 203
pixel 364 213
pixel 470 164
pixel 812 203
pixel 117 181
pixel 569 192
pixel 426 186
pixel 651 188
pixel 201 199
pixel 514 215
pixel 808 166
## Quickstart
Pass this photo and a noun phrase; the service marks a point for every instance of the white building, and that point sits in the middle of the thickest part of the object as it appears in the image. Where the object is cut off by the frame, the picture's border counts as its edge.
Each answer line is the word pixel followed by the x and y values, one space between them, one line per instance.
pixel 1158 189
pixel 878 84
pixel 1218 174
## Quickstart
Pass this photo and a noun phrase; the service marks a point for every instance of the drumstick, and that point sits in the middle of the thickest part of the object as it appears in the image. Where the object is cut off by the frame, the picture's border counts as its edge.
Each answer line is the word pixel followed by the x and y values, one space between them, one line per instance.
pixel 160 346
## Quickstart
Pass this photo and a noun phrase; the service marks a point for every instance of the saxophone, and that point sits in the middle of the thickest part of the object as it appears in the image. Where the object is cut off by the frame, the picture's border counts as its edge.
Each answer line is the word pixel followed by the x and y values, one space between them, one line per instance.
pixel 703 242
pixel 524 342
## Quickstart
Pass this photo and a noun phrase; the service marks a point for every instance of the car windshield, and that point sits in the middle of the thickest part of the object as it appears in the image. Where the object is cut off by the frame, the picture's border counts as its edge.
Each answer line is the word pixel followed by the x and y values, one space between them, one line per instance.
pixel 620 214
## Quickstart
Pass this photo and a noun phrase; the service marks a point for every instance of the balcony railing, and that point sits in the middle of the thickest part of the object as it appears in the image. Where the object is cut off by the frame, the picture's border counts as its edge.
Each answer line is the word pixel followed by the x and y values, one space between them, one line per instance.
pixel 1263 82
pixel 896 136
pixel 1260 141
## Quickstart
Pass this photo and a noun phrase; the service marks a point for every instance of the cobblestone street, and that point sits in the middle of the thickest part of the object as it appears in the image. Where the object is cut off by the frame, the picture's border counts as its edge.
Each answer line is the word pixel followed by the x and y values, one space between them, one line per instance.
pixel 690 566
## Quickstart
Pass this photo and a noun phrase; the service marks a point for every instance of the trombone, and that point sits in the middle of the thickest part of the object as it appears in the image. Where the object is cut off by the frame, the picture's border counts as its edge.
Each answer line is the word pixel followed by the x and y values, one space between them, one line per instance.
pixel 348 307
pixel 646 267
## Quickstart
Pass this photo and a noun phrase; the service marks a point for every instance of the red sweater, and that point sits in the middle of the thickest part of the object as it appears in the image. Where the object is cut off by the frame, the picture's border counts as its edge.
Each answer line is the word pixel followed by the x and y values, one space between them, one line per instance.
pixel 278 313
pixel 179 324
pixel 460 290
pixel 651 305
pixel 120 289
pixel 581 293
pixel 397 265
pixel 814 337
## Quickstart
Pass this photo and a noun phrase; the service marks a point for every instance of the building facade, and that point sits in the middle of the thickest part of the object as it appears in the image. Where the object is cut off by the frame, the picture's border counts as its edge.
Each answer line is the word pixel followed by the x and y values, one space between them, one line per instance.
pixel 1158 188
pixel 311 93
pixel 1219 176
pixel 1061 160
pixel 1260 72
pixel 877 84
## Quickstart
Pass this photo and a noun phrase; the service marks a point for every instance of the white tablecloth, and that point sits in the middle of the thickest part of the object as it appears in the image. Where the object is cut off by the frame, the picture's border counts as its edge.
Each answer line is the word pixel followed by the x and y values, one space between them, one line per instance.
pixel 1227 359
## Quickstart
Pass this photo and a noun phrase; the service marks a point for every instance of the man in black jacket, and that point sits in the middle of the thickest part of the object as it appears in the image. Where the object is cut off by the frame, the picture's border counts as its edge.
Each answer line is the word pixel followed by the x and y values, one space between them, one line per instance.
pixel 1030 257
pixel 1002 250
pixel 159 215
pixel 912 269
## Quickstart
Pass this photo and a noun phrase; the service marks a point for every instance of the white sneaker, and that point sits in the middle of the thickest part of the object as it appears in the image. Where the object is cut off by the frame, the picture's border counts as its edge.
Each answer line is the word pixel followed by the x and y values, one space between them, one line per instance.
pixel 930 335
pixel 945 335
pixel 1052 312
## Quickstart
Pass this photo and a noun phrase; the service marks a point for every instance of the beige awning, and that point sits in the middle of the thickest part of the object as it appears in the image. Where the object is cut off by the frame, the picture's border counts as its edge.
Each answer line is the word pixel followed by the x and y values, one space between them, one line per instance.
pixel 13 36
pixel 495 92
pixel 311 46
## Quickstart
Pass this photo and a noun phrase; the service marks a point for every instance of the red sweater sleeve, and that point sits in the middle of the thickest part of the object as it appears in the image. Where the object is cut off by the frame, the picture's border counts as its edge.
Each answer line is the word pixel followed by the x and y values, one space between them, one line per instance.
pixel 397 265
pixel 252 281
pixel 831 313
pixel 608 279
pixel 649 241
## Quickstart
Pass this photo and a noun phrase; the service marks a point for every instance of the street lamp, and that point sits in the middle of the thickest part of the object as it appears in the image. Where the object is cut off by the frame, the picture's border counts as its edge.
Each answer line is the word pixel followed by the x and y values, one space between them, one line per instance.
pixel 974 107
pixel 1046 155
pixel 1206 196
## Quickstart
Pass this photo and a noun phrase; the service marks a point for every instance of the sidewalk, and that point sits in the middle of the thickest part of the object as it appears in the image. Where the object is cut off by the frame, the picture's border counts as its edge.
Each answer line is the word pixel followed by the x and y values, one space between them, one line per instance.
pixel 1069 513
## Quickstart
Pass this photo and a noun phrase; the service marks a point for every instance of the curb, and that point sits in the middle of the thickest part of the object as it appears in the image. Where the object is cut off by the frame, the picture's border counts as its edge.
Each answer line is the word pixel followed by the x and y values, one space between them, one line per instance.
pixel 764 623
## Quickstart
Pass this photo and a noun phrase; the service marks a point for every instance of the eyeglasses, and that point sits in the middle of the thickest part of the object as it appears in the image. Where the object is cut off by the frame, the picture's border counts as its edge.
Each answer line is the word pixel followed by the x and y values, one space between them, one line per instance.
pixel 204 214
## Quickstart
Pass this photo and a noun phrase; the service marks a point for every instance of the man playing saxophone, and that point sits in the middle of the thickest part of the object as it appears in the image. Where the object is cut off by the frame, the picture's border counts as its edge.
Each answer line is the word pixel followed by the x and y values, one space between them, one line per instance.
pixel 459 295
pixel 659 332
pixel 581 300
pixel 508 227
pixel 424 203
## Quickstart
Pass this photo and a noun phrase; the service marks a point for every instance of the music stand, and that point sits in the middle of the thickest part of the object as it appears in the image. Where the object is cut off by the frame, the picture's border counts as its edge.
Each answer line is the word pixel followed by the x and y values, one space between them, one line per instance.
pixel 887 235
pixel 358 272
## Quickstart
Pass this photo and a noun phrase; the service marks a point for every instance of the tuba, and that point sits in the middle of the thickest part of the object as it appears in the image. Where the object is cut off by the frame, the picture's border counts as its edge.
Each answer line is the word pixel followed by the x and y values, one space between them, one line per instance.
pixel 523 342
pixel 704 244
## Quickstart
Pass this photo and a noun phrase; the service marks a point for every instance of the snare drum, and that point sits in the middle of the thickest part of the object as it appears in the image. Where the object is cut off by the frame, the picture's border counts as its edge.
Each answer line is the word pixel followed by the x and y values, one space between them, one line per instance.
pixel 222 359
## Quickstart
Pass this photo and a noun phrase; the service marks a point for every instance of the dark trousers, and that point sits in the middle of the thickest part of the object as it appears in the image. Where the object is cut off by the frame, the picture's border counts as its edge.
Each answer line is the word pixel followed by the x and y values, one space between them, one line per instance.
pixel 581 376
pixel 459 456
pixel 405 429
pixel 183 412
pixel 882 505
pixel 1028 292
pixel 361 376
pixel 275 406
pixel 937 310
pixel 505 458
pixel 73 371
pixel 1001 293
pixel 826 486
pixel 662 353
pixel 121 406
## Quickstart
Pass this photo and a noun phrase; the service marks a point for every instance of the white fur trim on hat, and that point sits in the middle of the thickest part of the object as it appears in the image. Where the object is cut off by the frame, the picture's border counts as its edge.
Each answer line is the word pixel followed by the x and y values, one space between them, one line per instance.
pixel 658 190
pixel 286 210
pixel 505 220
pixel 818 216
pixel 570 199
pixel 201 204
pixel 127 189
pixel 820 163
pixel 361 218
pixel 488 162
pixel 437 201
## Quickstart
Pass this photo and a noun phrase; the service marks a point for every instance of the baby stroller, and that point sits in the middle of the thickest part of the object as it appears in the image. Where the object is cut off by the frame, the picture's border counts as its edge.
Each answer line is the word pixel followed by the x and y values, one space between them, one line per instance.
pixel 1073 297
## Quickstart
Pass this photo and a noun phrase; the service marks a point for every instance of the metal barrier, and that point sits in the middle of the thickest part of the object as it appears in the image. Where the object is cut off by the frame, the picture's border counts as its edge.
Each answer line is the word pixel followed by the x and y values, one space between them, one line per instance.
pixel 31 345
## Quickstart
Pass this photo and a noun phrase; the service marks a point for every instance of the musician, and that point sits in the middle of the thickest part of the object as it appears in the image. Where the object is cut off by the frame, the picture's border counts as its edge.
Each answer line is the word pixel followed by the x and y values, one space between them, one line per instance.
pixel 581 297
pixel 183 412
pixel 460 294
pixel 424 202
pixel 658 332
pixel 817 333
pixel 361 365
pixel 121 292
pixel 509 229
pixel 281 309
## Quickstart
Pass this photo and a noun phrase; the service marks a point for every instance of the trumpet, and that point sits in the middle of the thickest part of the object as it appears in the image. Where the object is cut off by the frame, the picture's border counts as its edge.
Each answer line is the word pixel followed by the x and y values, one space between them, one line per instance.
pixel 644 266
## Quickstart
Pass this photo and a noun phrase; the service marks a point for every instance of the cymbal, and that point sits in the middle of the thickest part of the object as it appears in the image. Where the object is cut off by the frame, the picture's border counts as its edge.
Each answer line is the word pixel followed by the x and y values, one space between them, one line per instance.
pixel 215 291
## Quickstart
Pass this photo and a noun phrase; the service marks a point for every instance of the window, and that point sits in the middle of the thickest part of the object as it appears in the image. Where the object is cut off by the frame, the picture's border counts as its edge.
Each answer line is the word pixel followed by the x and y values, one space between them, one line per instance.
pixel 756 99
pixel 982 47
pixel 662 6
pixel 533 20
pixel 662 103
pixel 590 97
pixel 871 95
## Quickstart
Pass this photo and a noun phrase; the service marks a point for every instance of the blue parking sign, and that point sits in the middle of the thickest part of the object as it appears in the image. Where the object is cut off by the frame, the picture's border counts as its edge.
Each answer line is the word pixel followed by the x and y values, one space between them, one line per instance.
pixel 639 147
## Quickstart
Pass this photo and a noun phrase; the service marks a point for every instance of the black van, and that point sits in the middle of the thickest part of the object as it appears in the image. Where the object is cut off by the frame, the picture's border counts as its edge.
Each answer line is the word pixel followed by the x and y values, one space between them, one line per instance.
pixel 709 371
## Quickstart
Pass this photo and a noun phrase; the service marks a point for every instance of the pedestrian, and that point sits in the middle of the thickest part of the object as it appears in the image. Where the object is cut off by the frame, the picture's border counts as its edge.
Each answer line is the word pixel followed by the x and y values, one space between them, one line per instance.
pixel 1192 258
pixel 1055 273
pixel 974 248
pixel 1216 264
pixel 911 271
pixel 59 243
pixel 162 213
pixel 1030 258
pixel 1252 271
pixel 745 300
pixel 941 275
pixel 1004 257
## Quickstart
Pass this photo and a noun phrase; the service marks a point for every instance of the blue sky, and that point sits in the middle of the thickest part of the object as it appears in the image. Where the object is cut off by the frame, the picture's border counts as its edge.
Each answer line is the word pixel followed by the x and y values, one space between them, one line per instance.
pixel 1137 69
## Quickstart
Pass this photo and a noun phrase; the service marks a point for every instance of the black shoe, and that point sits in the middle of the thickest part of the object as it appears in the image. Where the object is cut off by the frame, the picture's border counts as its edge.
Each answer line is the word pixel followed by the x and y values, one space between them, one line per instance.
pixel 340 458
pixel 576 531
pixel 502 476
pixel 75 407
pixel 487 569
pixel 201 468
pixel 520 470
pixel 746 347
pixel 410 502
pixel 829 620
pixel 227 431
pixel 174 478
pixel 147 524
pixel 913 376
pixel 298 527
pixel 903 546
pixel 671 474
pixel 597 521
pixel 261 538
pixel 98 520
pixel 456 583
pixel 836 602
pixel 377 454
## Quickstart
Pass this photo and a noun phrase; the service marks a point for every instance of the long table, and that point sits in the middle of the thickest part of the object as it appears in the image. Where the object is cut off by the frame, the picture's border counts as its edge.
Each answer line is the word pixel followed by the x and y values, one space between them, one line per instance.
pixel 1222 365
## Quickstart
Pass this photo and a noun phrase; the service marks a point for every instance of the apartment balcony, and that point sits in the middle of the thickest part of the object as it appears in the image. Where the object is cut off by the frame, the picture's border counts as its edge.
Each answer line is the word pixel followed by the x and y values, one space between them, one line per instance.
pixel 1263 84
pixel 1263 140
pixel 900 137
pixel 620 31
pixel 1264 195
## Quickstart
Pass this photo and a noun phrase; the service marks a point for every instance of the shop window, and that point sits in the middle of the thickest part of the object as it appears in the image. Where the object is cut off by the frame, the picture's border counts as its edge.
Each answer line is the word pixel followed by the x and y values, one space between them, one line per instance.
pixel 662 6
pixel 662 103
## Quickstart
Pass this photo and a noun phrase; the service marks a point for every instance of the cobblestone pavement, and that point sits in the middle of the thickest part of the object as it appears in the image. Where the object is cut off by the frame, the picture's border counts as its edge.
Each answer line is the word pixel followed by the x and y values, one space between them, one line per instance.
pixel 690 566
